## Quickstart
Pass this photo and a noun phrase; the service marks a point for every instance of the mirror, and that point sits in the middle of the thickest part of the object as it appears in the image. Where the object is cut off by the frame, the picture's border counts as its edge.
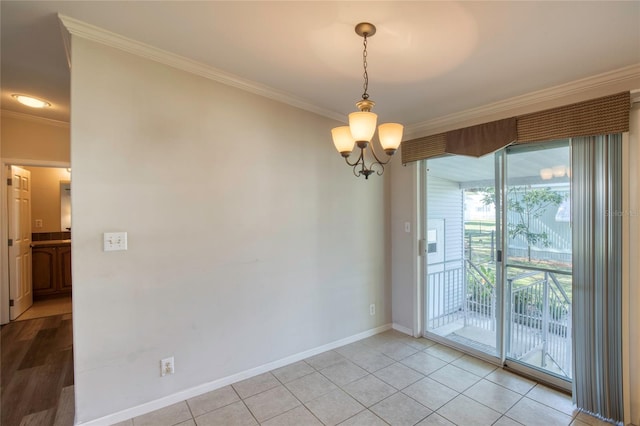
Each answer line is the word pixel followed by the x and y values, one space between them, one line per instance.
pixel 65 206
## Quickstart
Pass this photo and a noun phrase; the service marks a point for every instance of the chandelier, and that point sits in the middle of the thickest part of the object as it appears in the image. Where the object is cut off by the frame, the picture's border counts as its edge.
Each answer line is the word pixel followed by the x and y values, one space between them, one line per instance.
pixel 362 125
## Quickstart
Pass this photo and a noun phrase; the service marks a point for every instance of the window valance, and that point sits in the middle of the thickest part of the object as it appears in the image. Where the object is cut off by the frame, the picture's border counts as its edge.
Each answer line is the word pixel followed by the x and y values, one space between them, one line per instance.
pixel 606 115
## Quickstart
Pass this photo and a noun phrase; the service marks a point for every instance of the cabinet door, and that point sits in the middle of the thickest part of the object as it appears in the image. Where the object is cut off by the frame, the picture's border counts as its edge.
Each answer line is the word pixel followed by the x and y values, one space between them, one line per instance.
pixel 44 270
pixel 64 269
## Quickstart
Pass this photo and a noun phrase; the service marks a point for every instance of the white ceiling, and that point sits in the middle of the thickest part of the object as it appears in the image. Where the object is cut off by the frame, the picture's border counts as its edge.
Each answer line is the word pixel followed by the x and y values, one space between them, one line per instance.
pixel 427 59
pixel 524 165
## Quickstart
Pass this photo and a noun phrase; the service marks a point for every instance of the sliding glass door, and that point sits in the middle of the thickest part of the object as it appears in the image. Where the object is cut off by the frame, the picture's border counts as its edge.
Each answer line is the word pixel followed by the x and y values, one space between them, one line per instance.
pixel 498 256
pixel 538 258
pixel 461 252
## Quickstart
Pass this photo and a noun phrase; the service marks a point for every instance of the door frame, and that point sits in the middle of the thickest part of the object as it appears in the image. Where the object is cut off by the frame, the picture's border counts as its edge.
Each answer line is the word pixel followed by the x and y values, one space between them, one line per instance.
pixel 421 302
pixel 4 224
pixel 500 358
pixel 519 367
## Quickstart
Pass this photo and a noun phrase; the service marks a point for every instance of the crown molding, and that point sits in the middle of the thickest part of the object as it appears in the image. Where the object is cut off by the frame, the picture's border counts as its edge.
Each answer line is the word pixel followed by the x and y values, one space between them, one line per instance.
pixel 90 32
pixel 66 41
pixel 28 117
pixel 606 83
pixel 624 77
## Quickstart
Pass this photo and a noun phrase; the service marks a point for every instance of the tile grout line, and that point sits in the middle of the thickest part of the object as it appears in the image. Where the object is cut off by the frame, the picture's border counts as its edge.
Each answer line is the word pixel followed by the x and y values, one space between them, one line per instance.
pixel 288 390
pixel 365 408
pixel 397 391
pixel 339 387
pixel 575 410
pixel 186 401
pixel 459 393
pixel 249 409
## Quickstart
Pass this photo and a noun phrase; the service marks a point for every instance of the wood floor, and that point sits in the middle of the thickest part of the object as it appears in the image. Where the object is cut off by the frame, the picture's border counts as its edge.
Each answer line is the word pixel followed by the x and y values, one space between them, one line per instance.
pixel 37 372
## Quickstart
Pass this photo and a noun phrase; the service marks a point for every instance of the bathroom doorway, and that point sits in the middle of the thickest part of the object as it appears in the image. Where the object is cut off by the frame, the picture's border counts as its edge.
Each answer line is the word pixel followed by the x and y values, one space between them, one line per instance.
pixel 48 236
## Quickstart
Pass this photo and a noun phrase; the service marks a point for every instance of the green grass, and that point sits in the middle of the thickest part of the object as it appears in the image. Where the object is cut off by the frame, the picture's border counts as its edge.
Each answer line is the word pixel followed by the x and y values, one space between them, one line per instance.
pixel 480 226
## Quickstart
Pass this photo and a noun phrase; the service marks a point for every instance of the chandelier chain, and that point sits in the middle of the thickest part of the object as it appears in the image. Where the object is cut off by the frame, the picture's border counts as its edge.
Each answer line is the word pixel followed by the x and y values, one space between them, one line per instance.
pixel 365 95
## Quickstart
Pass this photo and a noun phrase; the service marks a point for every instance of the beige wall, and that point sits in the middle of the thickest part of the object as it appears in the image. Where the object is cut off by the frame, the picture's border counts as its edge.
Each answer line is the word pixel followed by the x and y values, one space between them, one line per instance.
pixel 404 255
pixel 45 197
pixel 28 138
pixel 249 239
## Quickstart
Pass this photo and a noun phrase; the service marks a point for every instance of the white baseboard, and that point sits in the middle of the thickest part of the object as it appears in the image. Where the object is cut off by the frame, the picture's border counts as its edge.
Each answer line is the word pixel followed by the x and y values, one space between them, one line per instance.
pixel 403 329
pixel 225 381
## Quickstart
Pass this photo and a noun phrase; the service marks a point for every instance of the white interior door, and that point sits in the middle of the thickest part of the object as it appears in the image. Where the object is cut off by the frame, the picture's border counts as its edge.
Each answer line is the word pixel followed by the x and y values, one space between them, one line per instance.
pixel 19 207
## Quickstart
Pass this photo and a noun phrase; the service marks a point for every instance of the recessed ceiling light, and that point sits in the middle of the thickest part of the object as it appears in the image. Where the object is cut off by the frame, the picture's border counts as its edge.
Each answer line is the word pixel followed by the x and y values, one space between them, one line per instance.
pixel 30 101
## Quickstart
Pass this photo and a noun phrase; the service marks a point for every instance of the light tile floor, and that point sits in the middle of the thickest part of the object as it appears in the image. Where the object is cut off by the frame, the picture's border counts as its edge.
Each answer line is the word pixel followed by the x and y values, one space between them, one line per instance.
pixel 47 308
pixel 389 378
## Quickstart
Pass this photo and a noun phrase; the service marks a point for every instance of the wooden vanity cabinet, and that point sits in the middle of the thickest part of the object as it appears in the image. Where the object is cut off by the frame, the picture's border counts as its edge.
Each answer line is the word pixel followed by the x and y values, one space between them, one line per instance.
pixel 64 268
pixel 51 270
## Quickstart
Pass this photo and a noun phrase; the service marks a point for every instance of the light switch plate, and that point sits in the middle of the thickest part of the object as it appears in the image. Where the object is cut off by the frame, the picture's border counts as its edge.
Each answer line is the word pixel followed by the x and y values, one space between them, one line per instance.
pixel 115 241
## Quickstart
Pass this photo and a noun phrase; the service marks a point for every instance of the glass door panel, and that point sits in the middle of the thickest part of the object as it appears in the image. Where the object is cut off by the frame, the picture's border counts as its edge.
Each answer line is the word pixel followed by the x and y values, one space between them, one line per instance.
pixel 461 252
pixel 537 270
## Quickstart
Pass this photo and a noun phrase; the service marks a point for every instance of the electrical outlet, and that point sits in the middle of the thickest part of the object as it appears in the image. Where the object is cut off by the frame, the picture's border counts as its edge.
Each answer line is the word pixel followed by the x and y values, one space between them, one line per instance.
pixel 167 366
pixel 38 223
pixel 372 309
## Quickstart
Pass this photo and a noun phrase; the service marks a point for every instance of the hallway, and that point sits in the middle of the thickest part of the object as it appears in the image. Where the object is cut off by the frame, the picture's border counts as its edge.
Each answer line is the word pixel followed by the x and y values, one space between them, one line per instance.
pixel 37 372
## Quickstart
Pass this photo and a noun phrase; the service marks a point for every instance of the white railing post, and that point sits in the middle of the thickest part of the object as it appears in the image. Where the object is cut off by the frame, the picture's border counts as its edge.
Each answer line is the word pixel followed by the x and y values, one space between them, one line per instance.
pixel 545 320
pixel 509 320
pixel 568 343
pixel 465 276
pixel 493 308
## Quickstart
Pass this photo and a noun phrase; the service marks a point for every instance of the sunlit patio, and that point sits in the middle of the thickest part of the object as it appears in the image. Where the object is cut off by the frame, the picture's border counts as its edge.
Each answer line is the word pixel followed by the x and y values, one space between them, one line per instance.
pixel 538 317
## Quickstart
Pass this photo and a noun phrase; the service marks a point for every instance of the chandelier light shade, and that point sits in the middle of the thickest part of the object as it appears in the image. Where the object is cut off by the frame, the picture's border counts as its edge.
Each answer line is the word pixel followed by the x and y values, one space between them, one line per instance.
pixel 362 125
pixel 559 171
pixel 390 135
pixel 343 140
pixel 546 174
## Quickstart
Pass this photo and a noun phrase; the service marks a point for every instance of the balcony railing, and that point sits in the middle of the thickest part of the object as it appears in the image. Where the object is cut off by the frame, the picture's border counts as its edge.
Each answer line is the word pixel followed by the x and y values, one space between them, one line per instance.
pixel 539 317
pixel 481 297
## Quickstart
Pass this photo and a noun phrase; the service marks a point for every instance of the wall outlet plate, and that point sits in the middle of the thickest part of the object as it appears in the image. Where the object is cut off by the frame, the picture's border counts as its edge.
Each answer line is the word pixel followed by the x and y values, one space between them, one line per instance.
pixel 167 366
pixel 115 241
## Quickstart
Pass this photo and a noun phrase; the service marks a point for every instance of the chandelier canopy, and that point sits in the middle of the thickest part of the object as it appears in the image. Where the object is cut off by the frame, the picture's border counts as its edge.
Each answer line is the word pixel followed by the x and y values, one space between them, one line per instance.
pixel 362 125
